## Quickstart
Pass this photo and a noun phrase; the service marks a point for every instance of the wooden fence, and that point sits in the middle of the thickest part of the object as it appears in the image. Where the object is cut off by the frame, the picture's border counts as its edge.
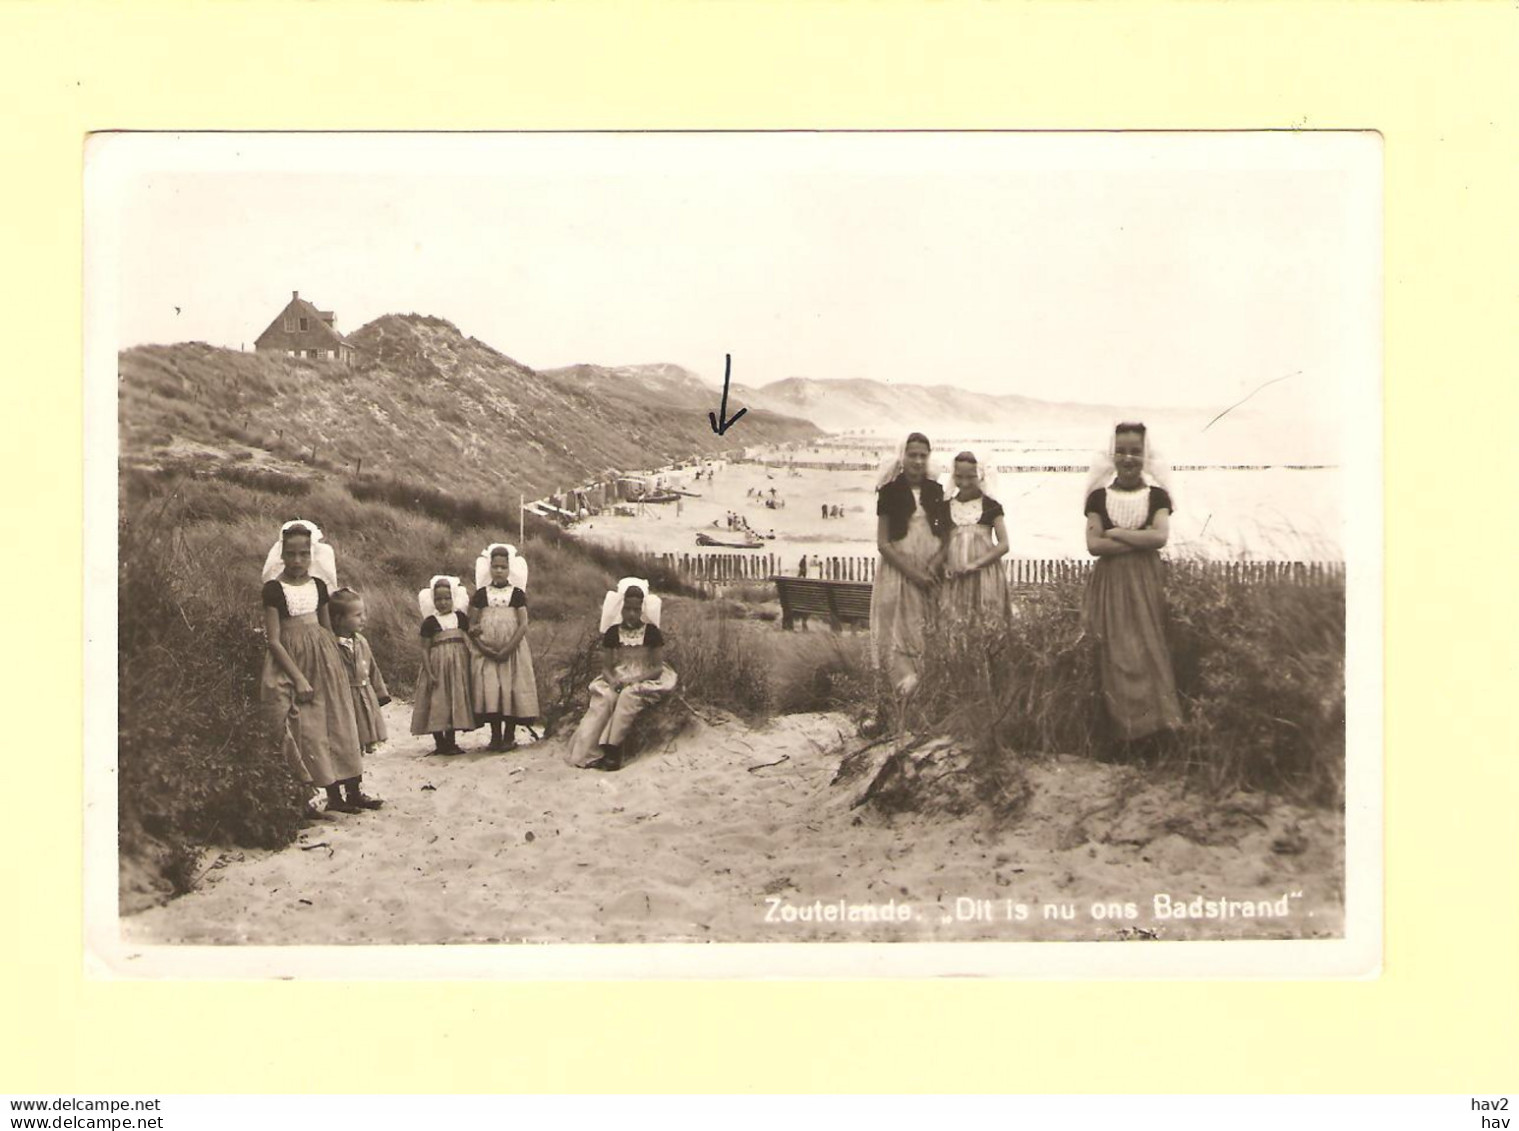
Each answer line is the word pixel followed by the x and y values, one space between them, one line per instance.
pixel 1030 468
pixel 738 566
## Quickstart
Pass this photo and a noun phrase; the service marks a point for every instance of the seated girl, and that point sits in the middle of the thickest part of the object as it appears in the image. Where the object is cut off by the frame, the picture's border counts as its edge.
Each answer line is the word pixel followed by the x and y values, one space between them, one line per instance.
pixel 634 675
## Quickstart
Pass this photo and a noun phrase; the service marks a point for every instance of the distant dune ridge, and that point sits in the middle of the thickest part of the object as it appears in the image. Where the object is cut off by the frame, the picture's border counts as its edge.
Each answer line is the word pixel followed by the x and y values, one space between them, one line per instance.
pixel 947 412
pixel 426 403
pixel 850 405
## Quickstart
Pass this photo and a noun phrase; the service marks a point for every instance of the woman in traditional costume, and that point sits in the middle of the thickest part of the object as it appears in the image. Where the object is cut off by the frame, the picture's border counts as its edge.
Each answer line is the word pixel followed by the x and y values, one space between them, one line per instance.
pixel 304 685
pixel 908 503
pixel 1128 510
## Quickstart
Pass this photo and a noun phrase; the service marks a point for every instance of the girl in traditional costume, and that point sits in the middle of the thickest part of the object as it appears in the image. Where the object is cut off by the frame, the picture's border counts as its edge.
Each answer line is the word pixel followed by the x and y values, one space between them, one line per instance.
pixel 975 542
pixel 501 665
pixel 443 705
pixel 365 684
pixel 633 675
pixel 1128 511
pixel 304 685
pixel 908 503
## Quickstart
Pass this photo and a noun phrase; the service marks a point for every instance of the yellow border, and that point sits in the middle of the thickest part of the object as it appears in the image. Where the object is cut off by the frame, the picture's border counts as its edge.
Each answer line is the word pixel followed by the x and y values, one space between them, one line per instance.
pixel 1438 80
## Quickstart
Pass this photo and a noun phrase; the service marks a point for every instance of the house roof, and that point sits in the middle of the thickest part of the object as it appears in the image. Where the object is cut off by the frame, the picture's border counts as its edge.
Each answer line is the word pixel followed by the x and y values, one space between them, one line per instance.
pixel 318 334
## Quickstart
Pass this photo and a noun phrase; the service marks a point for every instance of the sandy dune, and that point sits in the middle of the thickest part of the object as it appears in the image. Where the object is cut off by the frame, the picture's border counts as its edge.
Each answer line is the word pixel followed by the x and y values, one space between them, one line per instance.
pixel 716 837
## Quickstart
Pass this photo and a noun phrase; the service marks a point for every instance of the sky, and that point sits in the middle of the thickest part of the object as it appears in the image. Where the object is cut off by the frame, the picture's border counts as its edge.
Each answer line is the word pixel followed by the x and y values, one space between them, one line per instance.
pixel 1149 269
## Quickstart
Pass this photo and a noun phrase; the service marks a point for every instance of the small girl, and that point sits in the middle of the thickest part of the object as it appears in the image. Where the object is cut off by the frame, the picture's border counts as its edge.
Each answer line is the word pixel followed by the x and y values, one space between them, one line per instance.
pixel 501 665
pixel 634 675
pixel 365 683
pixel 304 686
pixel 974 587
pixel 443 699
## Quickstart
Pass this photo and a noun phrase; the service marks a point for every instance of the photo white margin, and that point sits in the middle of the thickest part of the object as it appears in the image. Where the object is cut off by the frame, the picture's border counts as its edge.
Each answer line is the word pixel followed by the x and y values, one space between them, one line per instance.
pixel 112 159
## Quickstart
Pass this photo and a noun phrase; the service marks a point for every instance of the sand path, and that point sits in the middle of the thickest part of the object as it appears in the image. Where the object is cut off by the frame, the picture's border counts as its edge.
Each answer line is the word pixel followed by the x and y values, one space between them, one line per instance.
pixel 704 841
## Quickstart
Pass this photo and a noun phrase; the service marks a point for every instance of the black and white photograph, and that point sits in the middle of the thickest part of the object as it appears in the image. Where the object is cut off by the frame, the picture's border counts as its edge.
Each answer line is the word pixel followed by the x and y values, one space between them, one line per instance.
pixel 899 540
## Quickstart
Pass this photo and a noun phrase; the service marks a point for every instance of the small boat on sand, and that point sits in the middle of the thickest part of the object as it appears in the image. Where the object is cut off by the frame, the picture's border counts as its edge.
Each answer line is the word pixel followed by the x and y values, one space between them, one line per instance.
pixel 728 544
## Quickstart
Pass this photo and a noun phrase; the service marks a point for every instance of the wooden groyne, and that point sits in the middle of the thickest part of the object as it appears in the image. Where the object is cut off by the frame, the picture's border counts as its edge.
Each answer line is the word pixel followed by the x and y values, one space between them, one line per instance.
pixel 776 464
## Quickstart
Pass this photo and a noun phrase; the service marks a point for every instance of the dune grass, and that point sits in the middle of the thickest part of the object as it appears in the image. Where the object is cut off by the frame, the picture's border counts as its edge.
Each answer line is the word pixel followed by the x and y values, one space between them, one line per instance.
pixel 1259 673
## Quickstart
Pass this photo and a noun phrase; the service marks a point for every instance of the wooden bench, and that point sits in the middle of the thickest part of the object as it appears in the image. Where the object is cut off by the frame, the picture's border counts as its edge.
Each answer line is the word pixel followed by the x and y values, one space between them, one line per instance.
pixel 842 602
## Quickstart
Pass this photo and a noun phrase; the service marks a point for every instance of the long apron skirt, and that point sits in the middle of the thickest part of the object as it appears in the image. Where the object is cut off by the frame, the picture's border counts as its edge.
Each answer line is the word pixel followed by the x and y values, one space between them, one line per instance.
pixel 899 610
pixel 367 685
pixel 320 739
pixel 611 713
pixel 981 595
pixel 442 701
pixel 503 689
pixel 1126 615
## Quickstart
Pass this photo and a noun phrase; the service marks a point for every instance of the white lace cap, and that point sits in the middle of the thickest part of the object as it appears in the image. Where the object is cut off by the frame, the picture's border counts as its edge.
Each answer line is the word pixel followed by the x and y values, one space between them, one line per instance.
pixel 1156 471
pixel 611 605
pixel 986 476
pixel 425 601
pixel 324 562
pixel 516 572
pixel 892 465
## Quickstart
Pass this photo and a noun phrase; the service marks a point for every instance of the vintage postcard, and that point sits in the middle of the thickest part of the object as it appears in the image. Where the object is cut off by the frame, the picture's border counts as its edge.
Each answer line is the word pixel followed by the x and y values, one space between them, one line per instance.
pixel 734 555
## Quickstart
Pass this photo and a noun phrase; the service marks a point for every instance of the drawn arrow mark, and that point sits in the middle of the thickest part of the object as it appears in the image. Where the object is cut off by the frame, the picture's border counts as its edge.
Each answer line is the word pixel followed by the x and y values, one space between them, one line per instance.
pixel 720 419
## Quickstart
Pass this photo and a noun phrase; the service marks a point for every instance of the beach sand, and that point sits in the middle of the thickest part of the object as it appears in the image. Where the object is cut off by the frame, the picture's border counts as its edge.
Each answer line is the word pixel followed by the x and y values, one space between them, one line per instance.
pixel 799 527
pixel 727 826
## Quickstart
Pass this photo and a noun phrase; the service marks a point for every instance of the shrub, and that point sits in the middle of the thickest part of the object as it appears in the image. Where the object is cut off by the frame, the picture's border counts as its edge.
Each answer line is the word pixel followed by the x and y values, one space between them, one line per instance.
pixel 1261 673
pixel 719 660
pixel 195 763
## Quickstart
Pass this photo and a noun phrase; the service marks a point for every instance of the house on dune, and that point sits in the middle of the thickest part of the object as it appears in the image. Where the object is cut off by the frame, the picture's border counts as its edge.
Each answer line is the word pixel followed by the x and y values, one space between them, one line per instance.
pixel 301 330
